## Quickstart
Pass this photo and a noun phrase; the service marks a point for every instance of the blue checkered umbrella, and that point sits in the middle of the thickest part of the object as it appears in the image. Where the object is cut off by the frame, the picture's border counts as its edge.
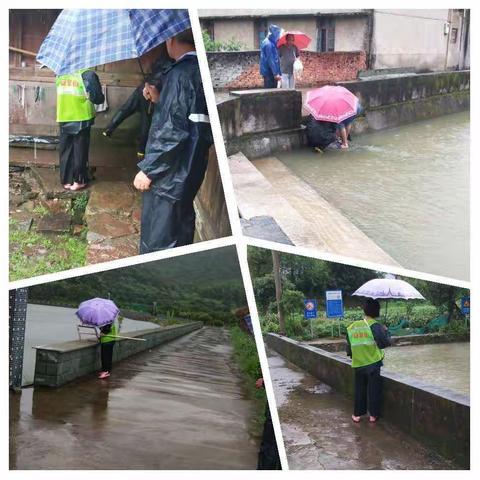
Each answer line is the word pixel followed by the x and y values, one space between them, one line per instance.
pixel 86 38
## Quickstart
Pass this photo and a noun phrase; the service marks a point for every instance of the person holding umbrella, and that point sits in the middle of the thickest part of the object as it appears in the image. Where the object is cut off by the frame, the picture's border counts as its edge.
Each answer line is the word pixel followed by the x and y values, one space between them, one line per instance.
pixel 289 46
pixel 137 103
pixel 366 340
pixel 108 335
pixel 101 313
pixel 288 53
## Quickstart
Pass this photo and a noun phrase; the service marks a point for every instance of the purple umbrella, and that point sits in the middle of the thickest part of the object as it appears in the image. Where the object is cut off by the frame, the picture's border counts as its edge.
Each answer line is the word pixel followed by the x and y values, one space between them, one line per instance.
pixel 97 312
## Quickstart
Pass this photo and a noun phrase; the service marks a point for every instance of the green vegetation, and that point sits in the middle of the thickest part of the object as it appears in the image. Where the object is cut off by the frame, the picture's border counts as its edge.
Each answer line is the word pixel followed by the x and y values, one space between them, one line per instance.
pixel 231 45
pixel 246 357
pixel 33 254
pixel 203 286
pixel 304 277
pixel 79 204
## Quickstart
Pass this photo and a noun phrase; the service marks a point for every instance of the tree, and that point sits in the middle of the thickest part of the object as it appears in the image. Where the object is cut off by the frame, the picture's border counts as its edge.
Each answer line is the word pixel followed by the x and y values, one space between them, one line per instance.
pixel 278 290
pixel 442 296
pixel 211 45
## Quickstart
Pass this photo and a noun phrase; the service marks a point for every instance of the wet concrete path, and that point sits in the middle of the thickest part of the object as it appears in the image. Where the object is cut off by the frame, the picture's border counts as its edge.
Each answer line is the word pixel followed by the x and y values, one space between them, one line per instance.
pixel 179 406
pixel 319 434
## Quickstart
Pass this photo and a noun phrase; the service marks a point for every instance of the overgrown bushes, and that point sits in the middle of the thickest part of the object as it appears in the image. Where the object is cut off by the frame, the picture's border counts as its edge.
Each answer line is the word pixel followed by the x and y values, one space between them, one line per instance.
pixel 246 357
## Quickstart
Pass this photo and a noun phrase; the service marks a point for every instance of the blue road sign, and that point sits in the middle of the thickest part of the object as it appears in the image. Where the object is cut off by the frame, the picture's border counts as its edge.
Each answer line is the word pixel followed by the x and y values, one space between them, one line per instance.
pixel 465 305
pixel 334 303
pixel 310 310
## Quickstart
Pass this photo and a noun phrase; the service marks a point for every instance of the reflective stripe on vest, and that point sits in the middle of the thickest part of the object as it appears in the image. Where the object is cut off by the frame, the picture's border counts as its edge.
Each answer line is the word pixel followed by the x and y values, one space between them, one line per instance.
pixel 110 336
pixel 73 104
pixel 362 342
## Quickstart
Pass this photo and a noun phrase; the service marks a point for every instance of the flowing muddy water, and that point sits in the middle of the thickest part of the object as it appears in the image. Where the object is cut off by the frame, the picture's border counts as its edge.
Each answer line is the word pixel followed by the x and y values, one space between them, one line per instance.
pixel 47 324
pixel 407 188
pixel 445 365
pixel 179 406
pixel 319 434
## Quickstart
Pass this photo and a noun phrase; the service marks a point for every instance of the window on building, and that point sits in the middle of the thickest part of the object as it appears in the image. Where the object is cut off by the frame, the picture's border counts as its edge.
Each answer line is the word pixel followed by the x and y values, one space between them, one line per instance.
pixel 453 35
pixel 207 26
pixel 261 31
pixel 325 34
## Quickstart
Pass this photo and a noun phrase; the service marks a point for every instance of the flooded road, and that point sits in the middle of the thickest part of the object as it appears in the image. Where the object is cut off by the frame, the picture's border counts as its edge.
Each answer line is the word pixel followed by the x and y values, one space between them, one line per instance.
pixel 47 324
pixel 179 406
pixel 318 432
pixel 407 188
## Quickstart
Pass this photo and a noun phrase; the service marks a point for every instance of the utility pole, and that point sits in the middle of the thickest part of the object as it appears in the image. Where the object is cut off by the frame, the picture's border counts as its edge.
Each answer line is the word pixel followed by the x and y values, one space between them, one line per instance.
pixel 278 290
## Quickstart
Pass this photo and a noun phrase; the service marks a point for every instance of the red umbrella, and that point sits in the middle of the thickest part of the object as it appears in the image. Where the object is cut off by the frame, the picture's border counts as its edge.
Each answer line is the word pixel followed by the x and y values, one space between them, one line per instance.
pixel 331 103
pixel 300 39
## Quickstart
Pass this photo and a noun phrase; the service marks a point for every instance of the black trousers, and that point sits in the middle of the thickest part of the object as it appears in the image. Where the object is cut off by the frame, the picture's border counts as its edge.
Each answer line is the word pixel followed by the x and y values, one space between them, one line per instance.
pixel 165 223
pixel 73 151
pixel 269 81
pixel 106 355
pixel 368 391
pixel 268 457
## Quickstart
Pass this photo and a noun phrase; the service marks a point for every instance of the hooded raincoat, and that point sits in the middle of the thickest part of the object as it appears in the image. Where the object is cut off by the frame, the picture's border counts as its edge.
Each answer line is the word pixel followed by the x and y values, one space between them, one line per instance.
pixel 269 59
pixel 176 158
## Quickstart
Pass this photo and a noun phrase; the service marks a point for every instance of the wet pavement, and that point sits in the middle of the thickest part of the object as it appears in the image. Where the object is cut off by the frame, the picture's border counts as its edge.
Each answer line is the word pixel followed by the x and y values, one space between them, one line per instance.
pixel 318 432
pixel 179 406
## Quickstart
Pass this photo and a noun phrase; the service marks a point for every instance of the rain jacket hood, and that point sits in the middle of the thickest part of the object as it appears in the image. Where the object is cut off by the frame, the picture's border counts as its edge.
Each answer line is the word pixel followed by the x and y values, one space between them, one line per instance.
pixel 269 60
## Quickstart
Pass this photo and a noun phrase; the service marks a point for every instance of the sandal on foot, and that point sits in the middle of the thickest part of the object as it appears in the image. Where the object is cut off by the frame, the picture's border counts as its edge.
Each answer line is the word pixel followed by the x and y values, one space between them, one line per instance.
pixel 356 419
pixel 373 419
pixel 78 186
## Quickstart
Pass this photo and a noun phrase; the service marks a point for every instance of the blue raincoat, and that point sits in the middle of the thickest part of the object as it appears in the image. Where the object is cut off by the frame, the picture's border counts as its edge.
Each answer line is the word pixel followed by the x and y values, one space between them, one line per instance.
pixel 269 60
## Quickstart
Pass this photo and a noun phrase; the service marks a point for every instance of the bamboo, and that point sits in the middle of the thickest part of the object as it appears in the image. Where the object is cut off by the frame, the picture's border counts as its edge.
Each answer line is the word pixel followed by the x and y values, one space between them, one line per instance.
pixel 117 336
pixel 24 52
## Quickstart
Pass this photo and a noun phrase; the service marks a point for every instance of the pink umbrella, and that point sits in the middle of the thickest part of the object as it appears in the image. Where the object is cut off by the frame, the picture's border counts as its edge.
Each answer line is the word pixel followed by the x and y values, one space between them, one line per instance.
pixel 301 40
pixel 331 103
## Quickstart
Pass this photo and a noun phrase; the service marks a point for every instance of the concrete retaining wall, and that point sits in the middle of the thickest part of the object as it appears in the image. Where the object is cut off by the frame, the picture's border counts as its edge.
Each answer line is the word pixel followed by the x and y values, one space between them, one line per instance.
pixel 394 101
pixel 63 362
pixel 437 417
pixel 240 70
pixel 400 341
pixel 262 122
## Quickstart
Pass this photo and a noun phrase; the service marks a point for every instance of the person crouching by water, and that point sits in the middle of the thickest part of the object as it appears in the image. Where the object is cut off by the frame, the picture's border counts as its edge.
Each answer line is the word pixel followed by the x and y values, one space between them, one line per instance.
pixel 344 128
pixel 321 135
pixel 366 340
pixel 108 334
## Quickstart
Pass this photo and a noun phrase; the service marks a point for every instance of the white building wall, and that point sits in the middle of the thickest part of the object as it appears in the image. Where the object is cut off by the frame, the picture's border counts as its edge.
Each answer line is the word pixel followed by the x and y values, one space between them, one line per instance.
pixel 240 30
pixel 351 34
pixel 410 38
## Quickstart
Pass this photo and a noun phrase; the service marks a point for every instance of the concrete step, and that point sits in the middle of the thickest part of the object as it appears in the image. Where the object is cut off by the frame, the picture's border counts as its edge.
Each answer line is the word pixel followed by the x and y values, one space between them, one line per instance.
pixel 256 197
pixel 305 216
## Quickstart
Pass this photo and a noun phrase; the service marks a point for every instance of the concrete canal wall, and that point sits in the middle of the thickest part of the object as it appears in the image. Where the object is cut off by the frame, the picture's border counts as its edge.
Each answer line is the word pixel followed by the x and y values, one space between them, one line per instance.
pixel 399 341
pixel 262 122
pixel 63 362
pixel 437 417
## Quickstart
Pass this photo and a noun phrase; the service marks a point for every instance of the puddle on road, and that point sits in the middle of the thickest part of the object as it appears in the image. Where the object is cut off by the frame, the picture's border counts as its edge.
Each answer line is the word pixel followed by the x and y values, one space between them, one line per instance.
pixel 319 434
